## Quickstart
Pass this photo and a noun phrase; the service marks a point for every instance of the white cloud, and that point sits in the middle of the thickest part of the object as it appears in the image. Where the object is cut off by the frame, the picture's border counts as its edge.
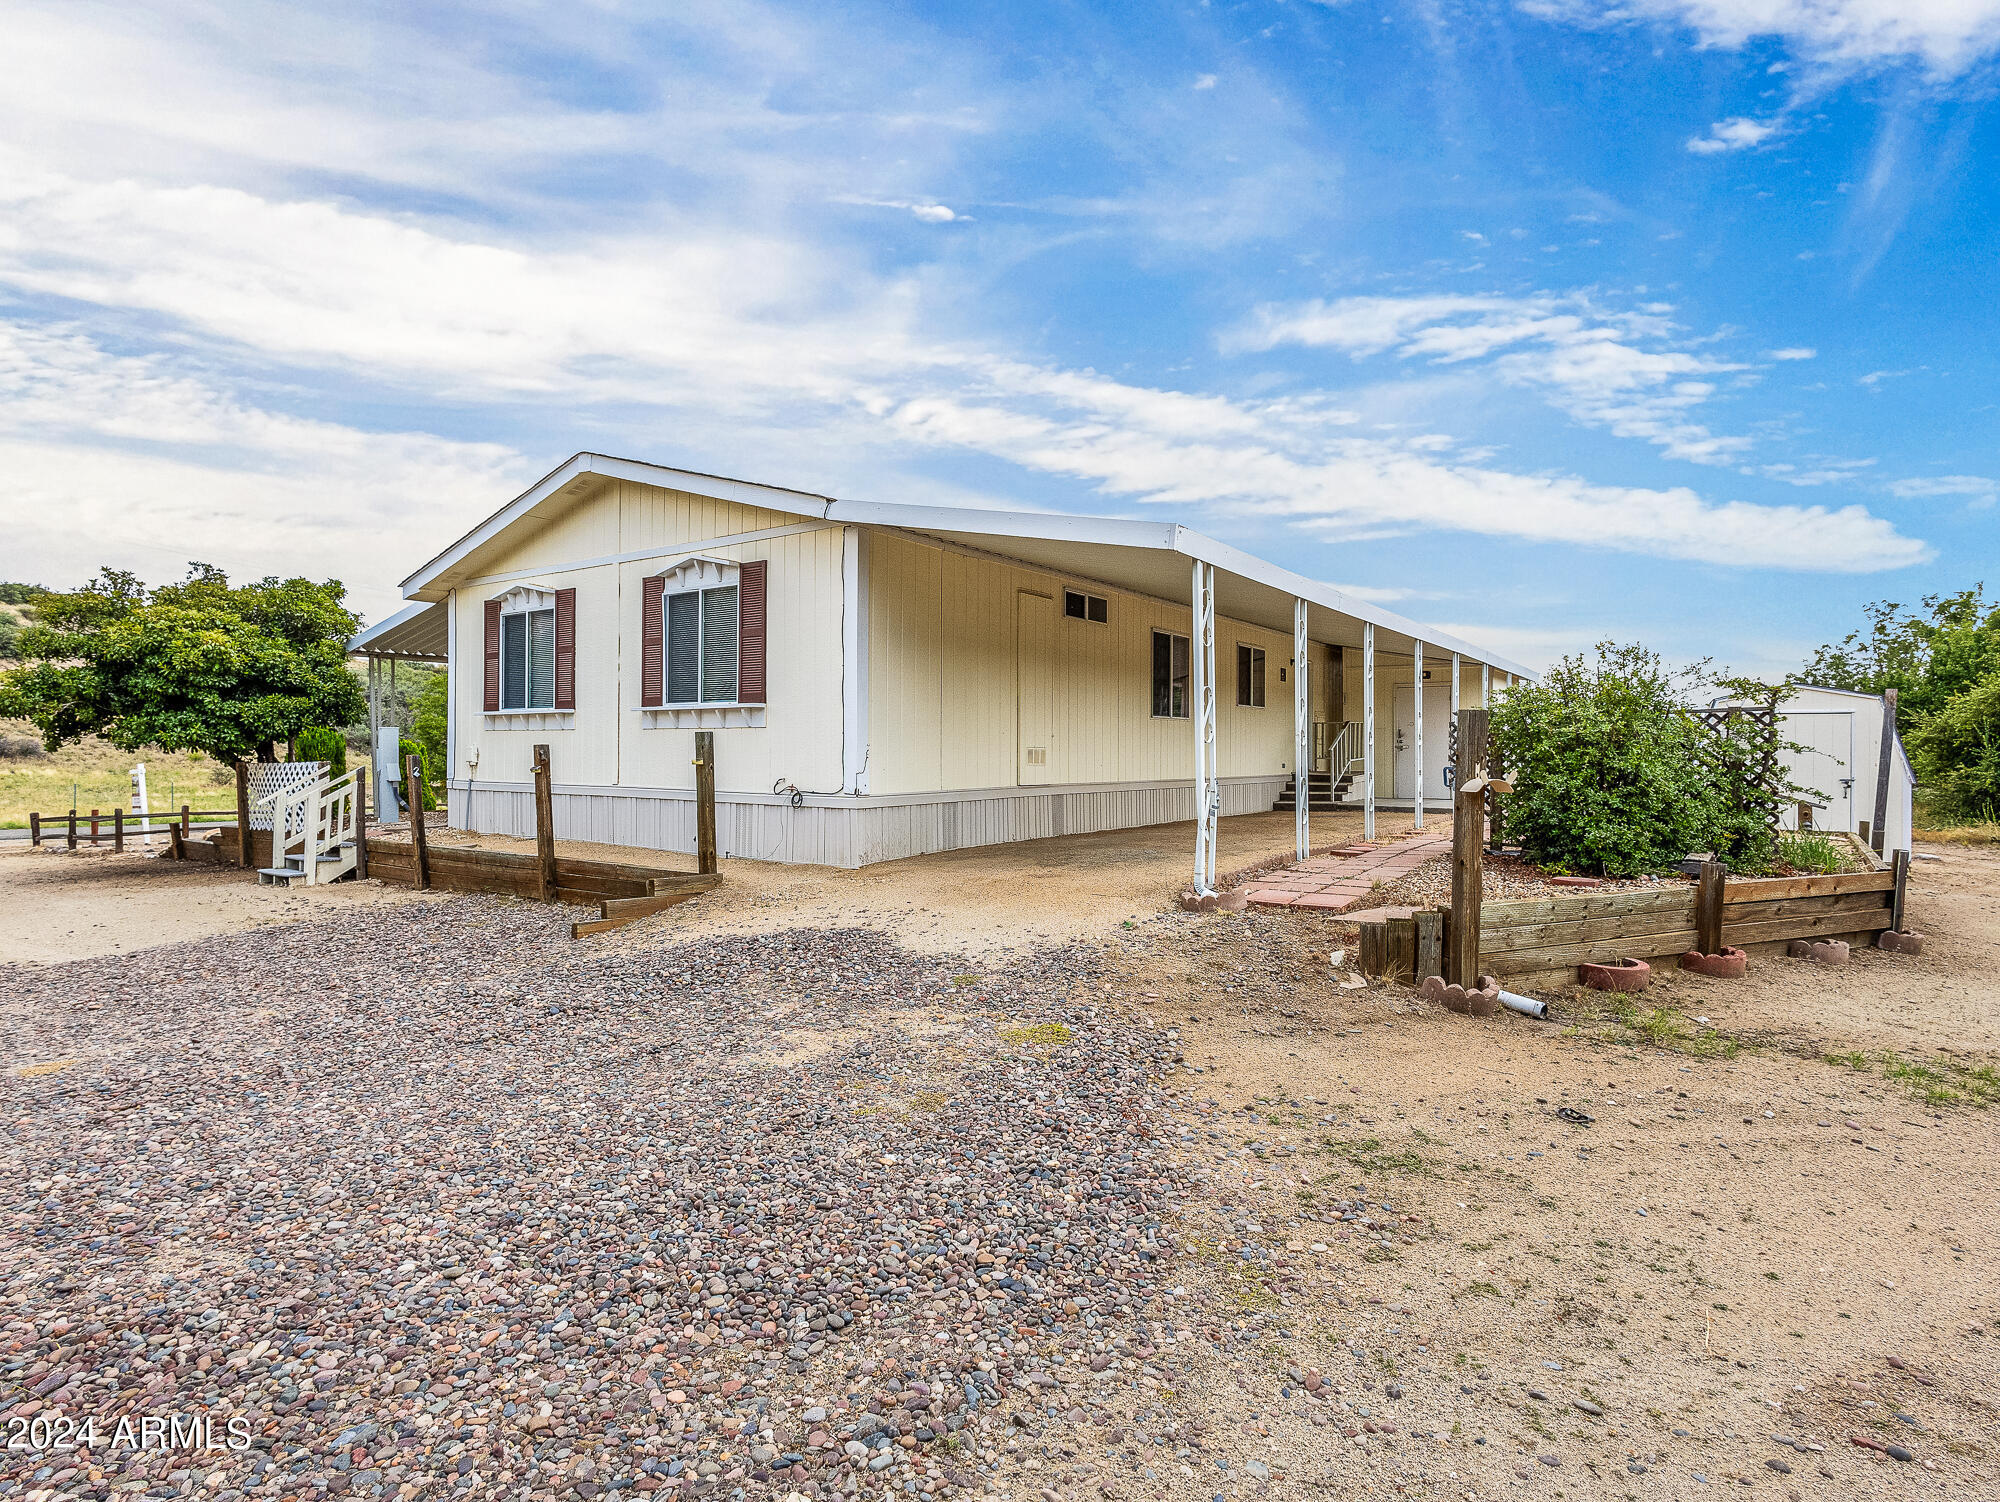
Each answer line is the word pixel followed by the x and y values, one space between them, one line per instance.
pixel 1875 378
pixel 1795 353
pixel 1204 81
pixel 1946 36
pixel 1732 135
pixel 1979 492
pixel 1617 370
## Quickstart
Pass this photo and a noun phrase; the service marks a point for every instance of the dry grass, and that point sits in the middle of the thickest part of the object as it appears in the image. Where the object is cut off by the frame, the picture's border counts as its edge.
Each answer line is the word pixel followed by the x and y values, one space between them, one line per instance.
pixel 1961 834
pixel 97 775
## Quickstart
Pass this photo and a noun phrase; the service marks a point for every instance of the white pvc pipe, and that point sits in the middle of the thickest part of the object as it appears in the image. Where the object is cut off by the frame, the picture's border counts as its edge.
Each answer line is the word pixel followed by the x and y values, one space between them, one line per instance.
pixel 1526 1005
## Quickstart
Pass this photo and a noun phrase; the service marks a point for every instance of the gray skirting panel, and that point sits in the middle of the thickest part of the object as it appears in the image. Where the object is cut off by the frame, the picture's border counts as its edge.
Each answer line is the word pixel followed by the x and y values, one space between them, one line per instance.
pixel 846 832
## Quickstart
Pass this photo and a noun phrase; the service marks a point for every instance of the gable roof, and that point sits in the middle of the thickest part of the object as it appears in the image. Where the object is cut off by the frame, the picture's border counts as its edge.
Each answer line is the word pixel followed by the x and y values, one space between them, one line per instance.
pixel 1146 557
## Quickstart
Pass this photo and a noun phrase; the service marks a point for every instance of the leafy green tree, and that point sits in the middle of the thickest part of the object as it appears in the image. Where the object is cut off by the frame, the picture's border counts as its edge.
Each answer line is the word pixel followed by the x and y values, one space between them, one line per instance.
pixel 1956 754
pixel 1927 656
pixel 1614 775
pixel 430 729
pixel 231 671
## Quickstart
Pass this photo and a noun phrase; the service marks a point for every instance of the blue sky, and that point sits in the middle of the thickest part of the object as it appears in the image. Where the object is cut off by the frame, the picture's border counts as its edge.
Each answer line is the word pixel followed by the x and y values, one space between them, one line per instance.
pixel 1551 321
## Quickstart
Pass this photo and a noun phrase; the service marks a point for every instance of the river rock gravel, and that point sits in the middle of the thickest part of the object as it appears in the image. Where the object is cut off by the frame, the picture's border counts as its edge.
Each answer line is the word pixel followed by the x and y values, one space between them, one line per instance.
pixel 431 1200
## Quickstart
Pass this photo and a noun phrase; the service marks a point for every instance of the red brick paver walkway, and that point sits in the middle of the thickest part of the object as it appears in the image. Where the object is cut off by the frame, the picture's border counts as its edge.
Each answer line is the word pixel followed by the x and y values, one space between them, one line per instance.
pixel 1337 881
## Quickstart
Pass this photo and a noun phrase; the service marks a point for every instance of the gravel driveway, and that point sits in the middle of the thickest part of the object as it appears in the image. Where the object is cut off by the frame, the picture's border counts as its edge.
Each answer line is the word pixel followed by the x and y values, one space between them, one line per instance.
pixel 432 1200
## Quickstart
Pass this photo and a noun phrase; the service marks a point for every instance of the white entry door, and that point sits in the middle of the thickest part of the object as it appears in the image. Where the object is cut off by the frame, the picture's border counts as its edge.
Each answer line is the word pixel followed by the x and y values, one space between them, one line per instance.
pixel 1034 678
pixel 1403 744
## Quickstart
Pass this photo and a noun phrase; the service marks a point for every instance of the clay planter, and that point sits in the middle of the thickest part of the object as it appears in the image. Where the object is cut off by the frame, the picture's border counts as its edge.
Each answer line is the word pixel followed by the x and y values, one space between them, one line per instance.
pixel 1900 943
pixel 1821 951
pixel 1483 1002
pixel 1620 975
pixel 1729 965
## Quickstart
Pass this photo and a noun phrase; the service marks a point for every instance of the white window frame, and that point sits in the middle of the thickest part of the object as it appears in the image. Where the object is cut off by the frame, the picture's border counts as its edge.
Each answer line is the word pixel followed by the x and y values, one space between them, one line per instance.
pixel 526 601
pixel 1187 690
pixel 1258 657
pixel 698 576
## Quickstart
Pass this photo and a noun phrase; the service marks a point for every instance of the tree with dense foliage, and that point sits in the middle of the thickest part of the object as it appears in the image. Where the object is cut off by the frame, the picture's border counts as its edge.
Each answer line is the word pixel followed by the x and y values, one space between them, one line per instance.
pixel 1614 774
pixel 1928 656
pixel 1956 755
pixel 430 720
pixel 230 671
pixel 322 743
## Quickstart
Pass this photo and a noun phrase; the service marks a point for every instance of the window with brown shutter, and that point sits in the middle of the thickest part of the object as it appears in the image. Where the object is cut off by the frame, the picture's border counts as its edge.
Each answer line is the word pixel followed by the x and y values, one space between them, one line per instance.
pixel 566 649
pixel 652 642
pixel 750 646
pixel 492 655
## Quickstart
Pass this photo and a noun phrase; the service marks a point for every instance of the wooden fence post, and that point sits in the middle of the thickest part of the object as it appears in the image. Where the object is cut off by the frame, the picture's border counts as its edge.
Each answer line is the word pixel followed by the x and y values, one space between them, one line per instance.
pixel 72 827
pixel 35 830
pixel 243 814
pixel 93 829
pixel 1468 834
pixel 1708 894
pixel 1430 924
pixel 704 803
pixel 175 850
pixel 545 828
pixel 117 831
pixel 1900 865
pixel 413 778
pixel 184 821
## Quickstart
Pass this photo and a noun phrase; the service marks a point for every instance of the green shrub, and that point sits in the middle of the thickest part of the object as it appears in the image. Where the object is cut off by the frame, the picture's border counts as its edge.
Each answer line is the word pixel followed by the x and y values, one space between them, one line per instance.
pixel 1956 755
pixel 1811 852
pixel 430 725
pixel 1614 775
pixel 318 743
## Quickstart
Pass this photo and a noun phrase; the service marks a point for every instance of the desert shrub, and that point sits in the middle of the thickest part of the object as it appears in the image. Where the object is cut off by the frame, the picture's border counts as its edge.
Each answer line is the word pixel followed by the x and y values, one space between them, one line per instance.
pixel 1614 775
pixel 318 743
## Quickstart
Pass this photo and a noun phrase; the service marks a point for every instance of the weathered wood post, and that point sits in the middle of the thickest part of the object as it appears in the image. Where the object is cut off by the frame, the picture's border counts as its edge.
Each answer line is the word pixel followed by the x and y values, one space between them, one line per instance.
pixel 1468 834
pixel 176 850
pixel 1372 949
pixel 1882 769
pixel 117 831
pixel 706 861
pixel 545 828
pixel 93 829
pixel 413 774
pixel 186 810
pixel 1708 895
pixel 1900 865
pixel 1400 963
pixel 72 827
pixel 243 813
pixel 1863 831
pixel 1430 924
pixel 35 830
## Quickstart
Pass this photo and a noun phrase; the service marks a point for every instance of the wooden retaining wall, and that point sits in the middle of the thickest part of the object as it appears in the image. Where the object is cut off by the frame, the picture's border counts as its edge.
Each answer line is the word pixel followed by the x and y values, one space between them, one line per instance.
pixel 1549 937
pixel 505 871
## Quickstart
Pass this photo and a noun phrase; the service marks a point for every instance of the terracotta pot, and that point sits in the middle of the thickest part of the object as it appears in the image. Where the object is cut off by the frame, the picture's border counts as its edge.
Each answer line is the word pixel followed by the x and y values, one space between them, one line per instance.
pixel 1619 975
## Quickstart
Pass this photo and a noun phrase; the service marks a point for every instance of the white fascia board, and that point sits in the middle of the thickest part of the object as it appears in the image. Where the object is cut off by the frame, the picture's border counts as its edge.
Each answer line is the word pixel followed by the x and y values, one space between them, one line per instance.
pixel 431 577
pixel 1043 526
pixel 1255 569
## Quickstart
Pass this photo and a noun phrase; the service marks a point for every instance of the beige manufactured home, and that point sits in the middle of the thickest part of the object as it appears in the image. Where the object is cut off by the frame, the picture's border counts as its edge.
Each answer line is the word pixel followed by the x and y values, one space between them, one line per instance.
pixel 887 680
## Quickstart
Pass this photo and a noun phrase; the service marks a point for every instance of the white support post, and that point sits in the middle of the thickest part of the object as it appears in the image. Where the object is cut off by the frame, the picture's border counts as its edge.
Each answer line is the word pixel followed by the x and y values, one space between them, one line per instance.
pixel 854 663
pixel 1485 685
pixel 1207 782
pixel 1417 734
pixel 1301 731
pixel 1451 792
pixel 1368 730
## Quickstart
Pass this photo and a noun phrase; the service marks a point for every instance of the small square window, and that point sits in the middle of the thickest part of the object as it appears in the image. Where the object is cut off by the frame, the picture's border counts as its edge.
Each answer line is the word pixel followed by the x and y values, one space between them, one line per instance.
pixel 1079 606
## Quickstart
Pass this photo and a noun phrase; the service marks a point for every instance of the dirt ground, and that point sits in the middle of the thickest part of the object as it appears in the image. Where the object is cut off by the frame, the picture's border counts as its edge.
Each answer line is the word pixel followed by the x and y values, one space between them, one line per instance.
pixel 1778 1231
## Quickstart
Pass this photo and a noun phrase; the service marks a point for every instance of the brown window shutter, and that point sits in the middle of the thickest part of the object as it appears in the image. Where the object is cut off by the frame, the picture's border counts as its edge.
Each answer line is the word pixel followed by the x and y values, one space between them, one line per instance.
pixel 492 656
pixel 750 639
pixel 652 642
pixel 565 649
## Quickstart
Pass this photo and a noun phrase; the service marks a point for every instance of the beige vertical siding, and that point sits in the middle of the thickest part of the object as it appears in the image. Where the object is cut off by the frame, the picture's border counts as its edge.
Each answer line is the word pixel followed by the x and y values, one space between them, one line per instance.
pixel 942 683
pixel 605 741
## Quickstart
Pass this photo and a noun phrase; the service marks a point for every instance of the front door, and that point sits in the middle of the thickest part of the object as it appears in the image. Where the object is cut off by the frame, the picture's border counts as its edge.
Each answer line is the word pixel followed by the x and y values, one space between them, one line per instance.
pixel 1403 741
pixel 1034 679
